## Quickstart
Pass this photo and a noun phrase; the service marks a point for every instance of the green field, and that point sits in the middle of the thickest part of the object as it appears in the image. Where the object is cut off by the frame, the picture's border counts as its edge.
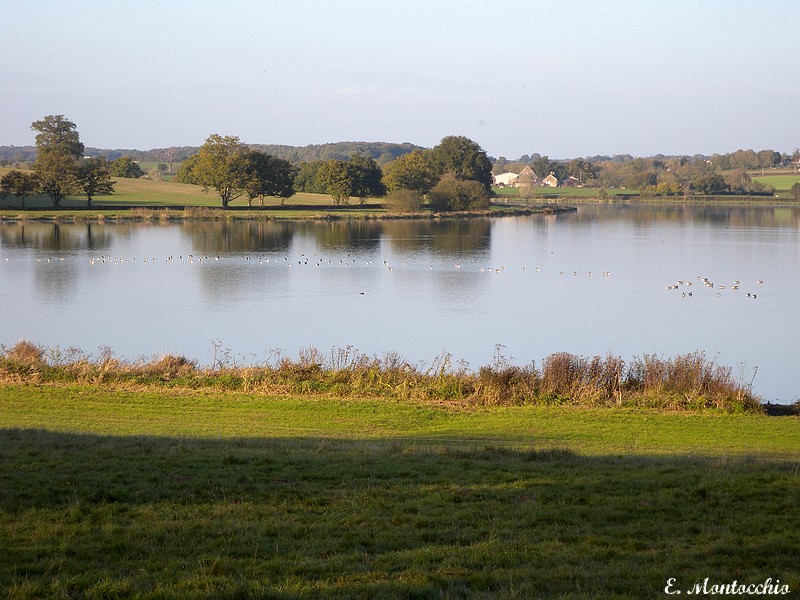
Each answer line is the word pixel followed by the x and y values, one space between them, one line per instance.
pixel 543 193
pixel 159 195
pixel 782 183
pixel 160 493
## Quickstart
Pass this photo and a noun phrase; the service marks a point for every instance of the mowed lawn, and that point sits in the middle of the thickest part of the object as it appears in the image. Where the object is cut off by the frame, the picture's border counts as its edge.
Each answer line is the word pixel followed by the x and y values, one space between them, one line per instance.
pixel 156 493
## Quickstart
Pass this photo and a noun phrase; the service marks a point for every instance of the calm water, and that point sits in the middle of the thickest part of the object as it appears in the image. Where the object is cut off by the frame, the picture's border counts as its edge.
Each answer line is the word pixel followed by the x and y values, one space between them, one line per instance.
pixel 587 283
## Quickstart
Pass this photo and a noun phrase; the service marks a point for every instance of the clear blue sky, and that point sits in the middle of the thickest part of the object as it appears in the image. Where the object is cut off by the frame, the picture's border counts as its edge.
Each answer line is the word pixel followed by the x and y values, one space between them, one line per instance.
pixel 563 79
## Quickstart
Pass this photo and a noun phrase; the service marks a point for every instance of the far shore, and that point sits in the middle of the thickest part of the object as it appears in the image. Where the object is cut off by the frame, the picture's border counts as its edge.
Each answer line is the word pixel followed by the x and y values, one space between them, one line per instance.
pixel 101 212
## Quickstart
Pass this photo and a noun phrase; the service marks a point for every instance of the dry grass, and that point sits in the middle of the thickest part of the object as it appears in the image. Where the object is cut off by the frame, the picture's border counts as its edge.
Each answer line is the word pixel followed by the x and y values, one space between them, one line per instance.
pixel 687 382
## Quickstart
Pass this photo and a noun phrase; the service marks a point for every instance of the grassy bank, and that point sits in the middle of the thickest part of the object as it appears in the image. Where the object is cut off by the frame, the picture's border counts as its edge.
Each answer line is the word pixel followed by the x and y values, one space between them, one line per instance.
pixel 153 493
pixel 688 382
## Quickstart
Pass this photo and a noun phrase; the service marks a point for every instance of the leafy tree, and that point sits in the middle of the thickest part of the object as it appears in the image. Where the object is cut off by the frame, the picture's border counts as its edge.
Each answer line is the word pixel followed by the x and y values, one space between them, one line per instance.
pixel 768 158
pixel 464 158
pixel 367 178
pixel 55 132
pixel 414 171
pixel 796 191
pixel 20 184
pixel 738 181
pixel 543 166
pixel 359 176
pixel 125 167
pixel 338 179
pixel 93 178
pixel 220 165
pixel 709 183
pixel 58 151
pixel 663 188
pixel 308 178
pixel 266 175
pixel 582 170
pixel 185 173
pixel 453 194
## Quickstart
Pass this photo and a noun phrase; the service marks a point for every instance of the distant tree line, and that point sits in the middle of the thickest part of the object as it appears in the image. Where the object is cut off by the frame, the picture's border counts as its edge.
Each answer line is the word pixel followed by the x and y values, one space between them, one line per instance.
pixel 381 152
pixel 454 175
pixel 661 175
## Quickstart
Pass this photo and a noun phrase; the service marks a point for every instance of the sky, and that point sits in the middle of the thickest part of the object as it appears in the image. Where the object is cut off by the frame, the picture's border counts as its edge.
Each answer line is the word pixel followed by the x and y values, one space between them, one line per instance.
pixel 562 79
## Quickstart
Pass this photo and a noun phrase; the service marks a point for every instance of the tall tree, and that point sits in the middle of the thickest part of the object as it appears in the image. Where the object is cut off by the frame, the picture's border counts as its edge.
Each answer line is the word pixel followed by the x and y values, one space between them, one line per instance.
pixel 464 158
pixel 266 175
pixel 20 184
pixel 58 149
pixel 413 171
pixel 185 172
pixel 309 177
pixel 94 178
pixel 582 170
pixel 366 176
pixel 338 179
pixel 126 167
pixel 220 165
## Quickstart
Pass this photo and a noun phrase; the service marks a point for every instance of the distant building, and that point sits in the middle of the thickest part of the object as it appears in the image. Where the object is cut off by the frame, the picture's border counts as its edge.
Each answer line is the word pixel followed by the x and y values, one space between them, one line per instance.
pixel 505 179
pixel 527 177
pixel 550 181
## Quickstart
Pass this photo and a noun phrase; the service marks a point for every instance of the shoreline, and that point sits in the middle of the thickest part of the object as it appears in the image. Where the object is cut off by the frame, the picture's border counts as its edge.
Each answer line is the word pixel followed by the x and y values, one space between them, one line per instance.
pixel 201 213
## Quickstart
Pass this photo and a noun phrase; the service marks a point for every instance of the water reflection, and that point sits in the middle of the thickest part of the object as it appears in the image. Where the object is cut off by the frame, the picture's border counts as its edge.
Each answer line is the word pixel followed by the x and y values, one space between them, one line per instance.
pixel 730 215
pixel 217 238
pixel 58 237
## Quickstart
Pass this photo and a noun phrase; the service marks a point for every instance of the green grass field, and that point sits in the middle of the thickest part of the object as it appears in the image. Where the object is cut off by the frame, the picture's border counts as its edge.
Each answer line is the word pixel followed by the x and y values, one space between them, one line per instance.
pixel 538 194
pixel 782 183
pixel 154 493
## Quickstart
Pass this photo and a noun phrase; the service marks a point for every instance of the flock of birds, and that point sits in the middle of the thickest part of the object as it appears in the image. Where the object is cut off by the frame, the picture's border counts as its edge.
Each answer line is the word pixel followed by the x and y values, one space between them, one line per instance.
pixel 685 285
pixel 302 261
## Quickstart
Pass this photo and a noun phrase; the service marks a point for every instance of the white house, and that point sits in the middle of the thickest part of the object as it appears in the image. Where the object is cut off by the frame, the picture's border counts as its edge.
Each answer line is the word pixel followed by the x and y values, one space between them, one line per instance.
pixel 504 179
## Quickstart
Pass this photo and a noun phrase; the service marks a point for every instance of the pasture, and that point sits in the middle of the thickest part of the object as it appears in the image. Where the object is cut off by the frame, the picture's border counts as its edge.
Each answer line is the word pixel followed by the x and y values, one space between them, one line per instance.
pixel 782 183
pixel 118 492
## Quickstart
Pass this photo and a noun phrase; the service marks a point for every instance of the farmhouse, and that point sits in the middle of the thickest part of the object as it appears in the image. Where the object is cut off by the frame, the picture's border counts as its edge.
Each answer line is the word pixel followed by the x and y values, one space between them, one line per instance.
pixel 527 177
pixel 550 181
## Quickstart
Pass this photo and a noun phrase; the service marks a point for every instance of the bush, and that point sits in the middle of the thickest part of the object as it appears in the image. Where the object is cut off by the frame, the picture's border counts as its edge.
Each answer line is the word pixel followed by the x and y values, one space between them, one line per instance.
pixel 452 194
pixel 23 355
pixel 404 201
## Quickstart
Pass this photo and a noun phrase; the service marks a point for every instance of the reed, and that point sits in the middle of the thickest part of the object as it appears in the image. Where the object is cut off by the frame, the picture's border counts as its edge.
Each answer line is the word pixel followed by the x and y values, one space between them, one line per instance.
pixel 686 382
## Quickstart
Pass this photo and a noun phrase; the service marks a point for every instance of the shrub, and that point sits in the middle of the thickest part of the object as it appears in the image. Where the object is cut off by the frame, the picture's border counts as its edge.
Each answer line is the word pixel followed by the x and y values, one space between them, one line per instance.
pixel 23 359
pixel 452 194
pixel 404 201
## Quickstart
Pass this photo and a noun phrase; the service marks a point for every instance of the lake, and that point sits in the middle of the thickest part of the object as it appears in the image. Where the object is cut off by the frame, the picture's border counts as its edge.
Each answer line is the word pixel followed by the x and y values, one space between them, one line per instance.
pixel 591 283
